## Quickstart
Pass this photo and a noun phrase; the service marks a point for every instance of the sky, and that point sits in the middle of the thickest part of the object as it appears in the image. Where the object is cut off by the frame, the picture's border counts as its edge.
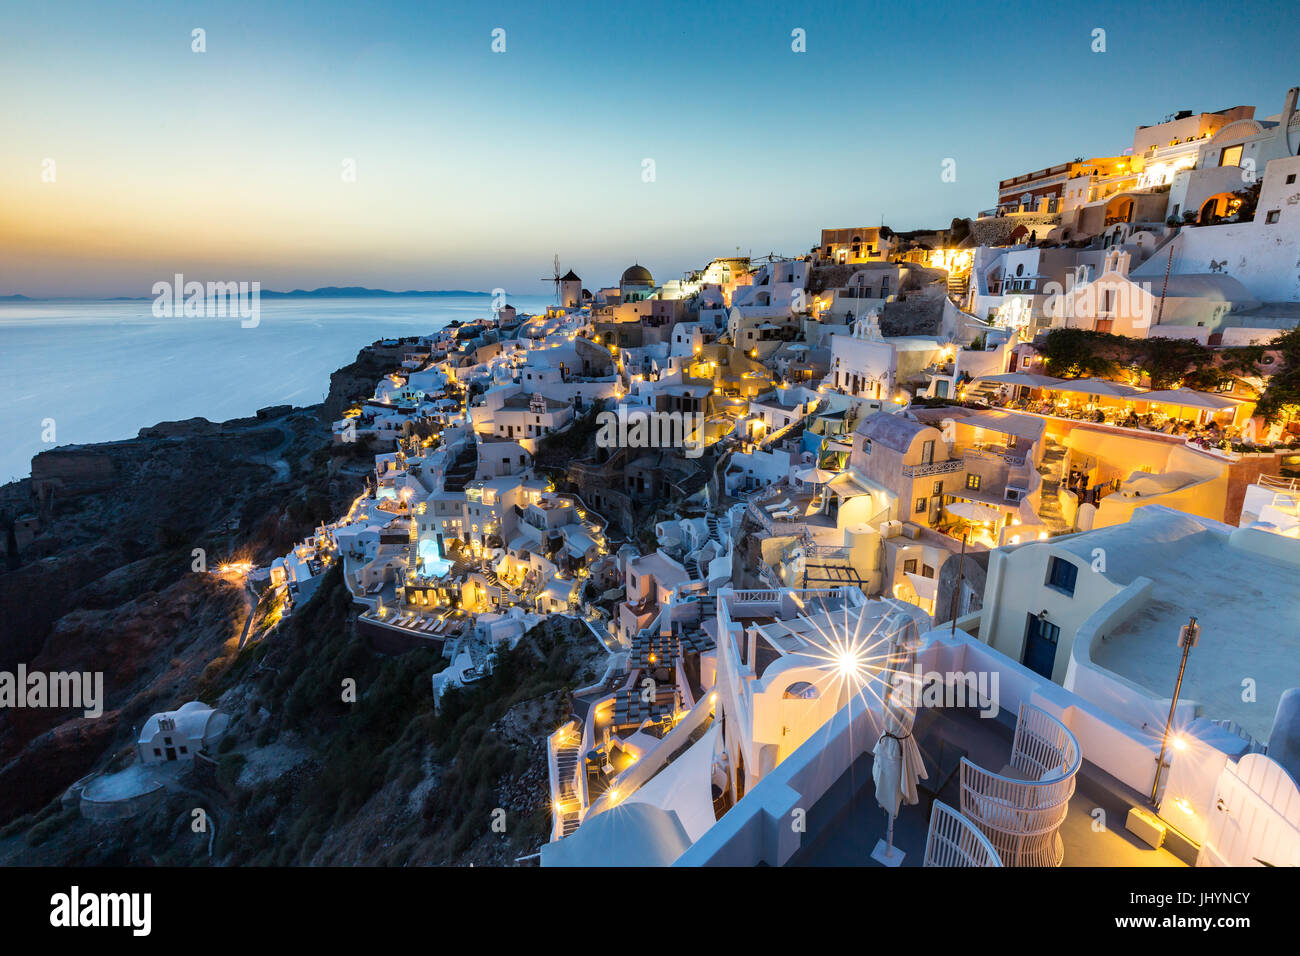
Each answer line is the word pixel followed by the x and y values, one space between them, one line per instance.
pixel 473 168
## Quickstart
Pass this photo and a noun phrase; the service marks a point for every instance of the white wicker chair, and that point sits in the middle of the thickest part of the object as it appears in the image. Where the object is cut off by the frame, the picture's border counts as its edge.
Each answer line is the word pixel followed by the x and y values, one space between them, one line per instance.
pixel 954 840
pixel 1021 809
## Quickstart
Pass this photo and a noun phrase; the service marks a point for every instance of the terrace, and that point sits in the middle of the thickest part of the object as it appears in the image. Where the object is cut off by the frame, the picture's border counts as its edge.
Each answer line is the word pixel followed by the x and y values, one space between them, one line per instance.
pixel 1207 421
pixel 845 825
pixel 1015 769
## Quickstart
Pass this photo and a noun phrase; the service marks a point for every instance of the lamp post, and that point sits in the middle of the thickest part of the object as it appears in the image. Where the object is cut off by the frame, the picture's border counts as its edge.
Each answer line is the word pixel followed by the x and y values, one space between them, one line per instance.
pixel 1187 639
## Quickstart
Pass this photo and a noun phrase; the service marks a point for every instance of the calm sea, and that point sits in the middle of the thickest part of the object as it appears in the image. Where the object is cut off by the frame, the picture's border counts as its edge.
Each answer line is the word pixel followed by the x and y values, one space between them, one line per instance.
pixel 101 371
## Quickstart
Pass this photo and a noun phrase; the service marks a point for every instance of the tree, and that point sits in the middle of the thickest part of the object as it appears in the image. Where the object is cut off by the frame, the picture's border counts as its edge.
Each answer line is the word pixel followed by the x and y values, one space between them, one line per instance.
pixel 1281 398
pixel 1080 353
pixel 1249 201
pixel 1167 362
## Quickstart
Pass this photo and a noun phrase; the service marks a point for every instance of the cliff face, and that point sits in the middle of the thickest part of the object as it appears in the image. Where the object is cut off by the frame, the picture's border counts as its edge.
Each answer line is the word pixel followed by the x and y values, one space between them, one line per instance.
pixel 303 776
pixel 356 382
pixel 115 582
pixel 108 512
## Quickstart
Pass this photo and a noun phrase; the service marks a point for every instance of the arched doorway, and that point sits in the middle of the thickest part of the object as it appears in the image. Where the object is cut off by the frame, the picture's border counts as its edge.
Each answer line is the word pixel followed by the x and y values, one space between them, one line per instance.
pixel 1215 208
pixel 1119 209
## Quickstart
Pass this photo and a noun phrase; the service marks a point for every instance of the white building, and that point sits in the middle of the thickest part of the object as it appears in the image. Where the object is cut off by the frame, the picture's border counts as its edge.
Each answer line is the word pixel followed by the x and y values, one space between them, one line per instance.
pixel 180 734
pixel 866 364
pixel 1100 613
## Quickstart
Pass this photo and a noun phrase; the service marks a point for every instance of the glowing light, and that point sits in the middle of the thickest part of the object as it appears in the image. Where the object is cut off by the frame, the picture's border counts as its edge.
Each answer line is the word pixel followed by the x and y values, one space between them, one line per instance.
pixel 850 664
pixel 1179 743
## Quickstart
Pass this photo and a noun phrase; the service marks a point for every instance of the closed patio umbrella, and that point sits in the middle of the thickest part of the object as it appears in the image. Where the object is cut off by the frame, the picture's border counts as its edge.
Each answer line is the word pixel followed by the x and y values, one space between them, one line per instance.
pixel 896 759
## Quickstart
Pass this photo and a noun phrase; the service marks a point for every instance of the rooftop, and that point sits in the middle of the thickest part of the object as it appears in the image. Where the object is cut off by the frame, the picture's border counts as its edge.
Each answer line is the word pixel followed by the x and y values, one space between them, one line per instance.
pixel 1236 582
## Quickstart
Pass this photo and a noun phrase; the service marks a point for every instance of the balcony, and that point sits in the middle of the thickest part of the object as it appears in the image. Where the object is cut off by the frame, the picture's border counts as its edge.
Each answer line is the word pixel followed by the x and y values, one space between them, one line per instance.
pixel 933 468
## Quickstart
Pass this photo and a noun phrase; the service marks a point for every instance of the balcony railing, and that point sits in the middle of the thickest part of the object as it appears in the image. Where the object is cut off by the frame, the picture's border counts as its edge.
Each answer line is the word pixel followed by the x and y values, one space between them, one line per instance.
pixel 953 840
pixel 933 468
pixel 1021 815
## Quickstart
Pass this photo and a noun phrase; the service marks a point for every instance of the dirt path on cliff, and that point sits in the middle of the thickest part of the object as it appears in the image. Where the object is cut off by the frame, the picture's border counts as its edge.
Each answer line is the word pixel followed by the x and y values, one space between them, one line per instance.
pixel 274 457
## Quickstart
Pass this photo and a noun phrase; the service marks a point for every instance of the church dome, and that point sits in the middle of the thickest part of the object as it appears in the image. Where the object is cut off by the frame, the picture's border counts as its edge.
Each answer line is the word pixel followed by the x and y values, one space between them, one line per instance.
pixel 637 275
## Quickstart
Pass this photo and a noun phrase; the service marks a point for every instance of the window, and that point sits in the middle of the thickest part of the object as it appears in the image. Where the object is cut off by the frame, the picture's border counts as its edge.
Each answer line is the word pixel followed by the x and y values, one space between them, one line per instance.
pixel 909 566
pixel 973 482
pixel 866 446
pixel 1272 216
pixel 1062 575
pixel 938 488
pixel 1231 156
pixel 920 505
pixel 801 690
pixel 927 571
pixel 1290 179
pixel 927 452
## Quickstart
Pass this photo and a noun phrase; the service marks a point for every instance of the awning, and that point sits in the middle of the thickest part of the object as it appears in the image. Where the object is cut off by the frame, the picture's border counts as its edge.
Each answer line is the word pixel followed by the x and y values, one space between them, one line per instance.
pixel 926 588
pixel 1020 378
pixel 848 484
pixel 973 511
pixel 1189 398
pixel 1100 386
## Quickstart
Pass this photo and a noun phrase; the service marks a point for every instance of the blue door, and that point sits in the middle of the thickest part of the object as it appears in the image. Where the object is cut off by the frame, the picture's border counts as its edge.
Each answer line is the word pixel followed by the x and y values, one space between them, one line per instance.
pixel 1040 646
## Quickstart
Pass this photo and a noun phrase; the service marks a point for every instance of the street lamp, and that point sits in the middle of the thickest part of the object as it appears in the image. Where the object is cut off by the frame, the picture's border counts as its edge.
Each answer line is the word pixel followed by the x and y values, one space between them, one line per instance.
pixel 1187 639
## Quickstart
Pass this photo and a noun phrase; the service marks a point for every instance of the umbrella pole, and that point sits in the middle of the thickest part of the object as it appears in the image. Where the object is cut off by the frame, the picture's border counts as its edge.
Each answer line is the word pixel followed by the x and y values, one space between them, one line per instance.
pixel 884 853
pixel 956 598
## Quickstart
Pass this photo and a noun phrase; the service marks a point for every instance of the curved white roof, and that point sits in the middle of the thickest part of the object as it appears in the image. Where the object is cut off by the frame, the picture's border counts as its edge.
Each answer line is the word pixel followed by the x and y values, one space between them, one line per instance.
pixel 194 720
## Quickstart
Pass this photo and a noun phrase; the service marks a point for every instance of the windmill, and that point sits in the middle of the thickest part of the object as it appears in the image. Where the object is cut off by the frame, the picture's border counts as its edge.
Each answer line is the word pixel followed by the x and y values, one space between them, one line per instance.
pixel 555 278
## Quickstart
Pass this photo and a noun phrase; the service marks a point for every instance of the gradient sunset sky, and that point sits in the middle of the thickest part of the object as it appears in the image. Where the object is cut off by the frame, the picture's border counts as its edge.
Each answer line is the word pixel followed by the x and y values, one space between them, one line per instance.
pixel 473 168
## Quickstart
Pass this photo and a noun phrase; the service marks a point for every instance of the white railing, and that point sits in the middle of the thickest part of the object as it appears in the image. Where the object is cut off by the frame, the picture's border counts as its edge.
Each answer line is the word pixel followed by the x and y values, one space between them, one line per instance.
pixel 955 841
pixel 1277 481
pixel 1021 815
pixel 934 468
